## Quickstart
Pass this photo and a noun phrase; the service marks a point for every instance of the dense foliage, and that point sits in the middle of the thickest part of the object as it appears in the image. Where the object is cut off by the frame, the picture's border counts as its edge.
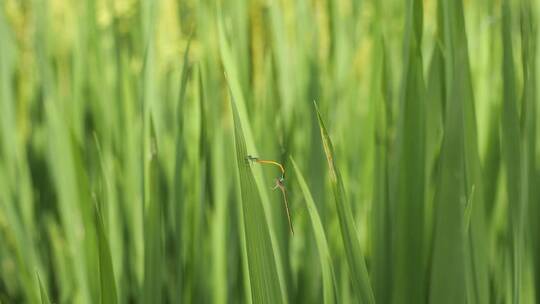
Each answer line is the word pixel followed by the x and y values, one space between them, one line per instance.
pixel 407 129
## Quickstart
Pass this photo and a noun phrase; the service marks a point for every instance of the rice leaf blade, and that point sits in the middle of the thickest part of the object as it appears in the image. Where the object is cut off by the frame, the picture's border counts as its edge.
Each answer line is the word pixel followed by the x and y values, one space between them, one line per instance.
pixel 325 258
pixel 512 153
pixel 408 186
pixel 349 235
pixel 106 272
pixel 153 251
pixel 448 272
pixel 43 292
pixel 263 273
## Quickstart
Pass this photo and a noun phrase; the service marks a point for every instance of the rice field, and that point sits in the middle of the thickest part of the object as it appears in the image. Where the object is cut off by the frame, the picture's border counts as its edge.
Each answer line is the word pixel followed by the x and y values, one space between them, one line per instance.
pixel 269 151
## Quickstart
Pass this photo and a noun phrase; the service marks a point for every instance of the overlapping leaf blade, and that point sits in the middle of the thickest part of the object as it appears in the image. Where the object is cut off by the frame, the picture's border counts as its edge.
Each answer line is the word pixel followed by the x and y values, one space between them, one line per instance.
pixel 349 234
pixel 325 258
pixel 43 292
pixel 261 260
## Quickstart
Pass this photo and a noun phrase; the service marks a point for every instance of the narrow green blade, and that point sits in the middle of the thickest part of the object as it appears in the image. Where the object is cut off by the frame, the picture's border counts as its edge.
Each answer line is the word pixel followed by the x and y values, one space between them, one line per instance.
pixel 327 268
pixel 261 260
pixel 448 282
pixel 178 204
pixel 511 152
pixel 381 270
pixel 529 123
pixel 43 292
pixel 407 192
pixel 106 272
pixel 153 251
pixel 448 268
pixel 349 235
pixel 476 236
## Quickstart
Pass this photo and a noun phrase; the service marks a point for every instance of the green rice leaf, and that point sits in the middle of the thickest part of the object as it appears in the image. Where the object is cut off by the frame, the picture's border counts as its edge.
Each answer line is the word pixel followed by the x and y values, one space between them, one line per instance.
pixel 106 272
pixel 529 125
pixel 153 245
pixel 349 234
pixel 263 273
pixel 448 273
pixel 381 271
pixel 178 204
pixel 42 291
pixel 325 258
pixel 240 102
pixel 448 261
pixel 511 152
pixel 476 237
pixel 408 182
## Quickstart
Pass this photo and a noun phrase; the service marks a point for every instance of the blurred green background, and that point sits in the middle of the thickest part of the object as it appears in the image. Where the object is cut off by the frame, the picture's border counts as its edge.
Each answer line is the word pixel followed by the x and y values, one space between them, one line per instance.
pixel 408 131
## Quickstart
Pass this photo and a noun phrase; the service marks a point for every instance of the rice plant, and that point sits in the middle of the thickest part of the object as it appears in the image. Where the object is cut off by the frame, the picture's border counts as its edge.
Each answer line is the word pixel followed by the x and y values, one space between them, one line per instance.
pixel 265 151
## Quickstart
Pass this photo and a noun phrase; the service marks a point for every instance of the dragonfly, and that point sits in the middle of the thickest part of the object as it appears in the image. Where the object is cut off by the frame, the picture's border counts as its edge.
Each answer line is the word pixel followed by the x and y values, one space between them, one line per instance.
pixel 279 184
